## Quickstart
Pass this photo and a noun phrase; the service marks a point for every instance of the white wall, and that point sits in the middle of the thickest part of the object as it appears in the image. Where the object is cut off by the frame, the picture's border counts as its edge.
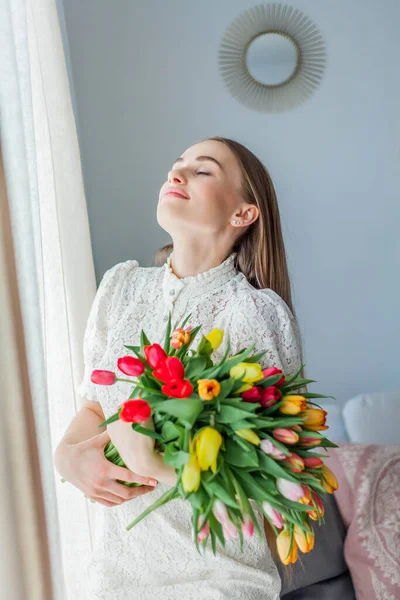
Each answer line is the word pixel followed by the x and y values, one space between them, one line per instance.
pixel 147 86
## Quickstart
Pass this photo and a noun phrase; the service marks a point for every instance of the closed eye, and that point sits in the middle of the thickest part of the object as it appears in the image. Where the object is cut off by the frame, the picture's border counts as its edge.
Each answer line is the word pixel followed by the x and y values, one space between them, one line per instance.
pixel 203 173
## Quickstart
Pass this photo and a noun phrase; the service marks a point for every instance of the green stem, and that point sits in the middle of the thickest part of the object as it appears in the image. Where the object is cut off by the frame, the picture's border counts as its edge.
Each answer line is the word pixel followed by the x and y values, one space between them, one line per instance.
pixel 164 499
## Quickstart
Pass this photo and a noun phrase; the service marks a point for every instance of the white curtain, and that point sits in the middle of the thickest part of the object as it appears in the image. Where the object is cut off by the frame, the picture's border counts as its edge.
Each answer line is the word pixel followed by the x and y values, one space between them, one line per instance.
pixel 53 253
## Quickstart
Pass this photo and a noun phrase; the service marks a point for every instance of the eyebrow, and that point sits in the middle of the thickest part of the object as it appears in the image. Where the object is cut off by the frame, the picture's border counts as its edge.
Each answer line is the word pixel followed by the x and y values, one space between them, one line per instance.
pixel 203 158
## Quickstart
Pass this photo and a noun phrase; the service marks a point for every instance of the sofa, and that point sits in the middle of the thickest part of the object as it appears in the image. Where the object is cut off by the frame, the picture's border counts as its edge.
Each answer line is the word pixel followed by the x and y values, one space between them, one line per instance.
pixel 357 550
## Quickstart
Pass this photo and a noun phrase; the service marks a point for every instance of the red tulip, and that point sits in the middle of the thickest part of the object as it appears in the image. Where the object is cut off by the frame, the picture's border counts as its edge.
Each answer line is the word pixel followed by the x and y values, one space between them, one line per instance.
pixel 270 396
pixel 131 366
pixel 178 388
pixel 310 441
pixel 103 377
pixel 154 355
pixel 254 394
pixel 135 411
pixel 286 436
pixel 313 462
pixel 274 371
pixel 169 369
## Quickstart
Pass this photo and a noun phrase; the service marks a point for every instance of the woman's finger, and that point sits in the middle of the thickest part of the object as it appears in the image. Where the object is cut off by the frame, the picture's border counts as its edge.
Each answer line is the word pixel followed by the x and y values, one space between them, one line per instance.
pixel 127 493
pixel 123 474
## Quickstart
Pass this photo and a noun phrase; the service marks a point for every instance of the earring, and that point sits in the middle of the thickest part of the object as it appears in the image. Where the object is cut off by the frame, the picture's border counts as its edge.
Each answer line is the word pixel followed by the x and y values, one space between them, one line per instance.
pixel 234 222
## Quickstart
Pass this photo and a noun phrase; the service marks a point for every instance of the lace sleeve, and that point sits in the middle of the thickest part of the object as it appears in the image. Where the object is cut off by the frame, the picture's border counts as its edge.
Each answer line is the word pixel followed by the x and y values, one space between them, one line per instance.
pixel 98 324
pixel 264 319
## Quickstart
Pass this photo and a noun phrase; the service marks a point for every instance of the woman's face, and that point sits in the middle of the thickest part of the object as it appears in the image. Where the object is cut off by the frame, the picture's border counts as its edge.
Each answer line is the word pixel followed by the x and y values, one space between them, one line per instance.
pixel 203 191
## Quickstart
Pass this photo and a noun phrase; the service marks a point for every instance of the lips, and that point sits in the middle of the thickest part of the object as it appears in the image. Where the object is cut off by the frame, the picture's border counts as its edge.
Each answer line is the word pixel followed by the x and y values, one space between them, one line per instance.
pixel 177 193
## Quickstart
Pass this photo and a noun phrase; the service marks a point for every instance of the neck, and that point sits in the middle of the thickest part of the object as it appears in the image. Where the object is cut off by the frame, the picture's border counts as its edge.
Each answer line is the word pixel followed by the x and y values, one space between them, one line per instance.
pixel 193 257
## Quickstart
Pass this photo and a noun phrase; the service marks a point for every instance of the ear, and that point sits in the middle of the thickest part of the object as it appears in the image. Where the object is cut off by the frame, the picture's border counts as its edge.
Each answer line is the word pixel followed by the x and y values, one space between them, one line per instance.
pixel 247 214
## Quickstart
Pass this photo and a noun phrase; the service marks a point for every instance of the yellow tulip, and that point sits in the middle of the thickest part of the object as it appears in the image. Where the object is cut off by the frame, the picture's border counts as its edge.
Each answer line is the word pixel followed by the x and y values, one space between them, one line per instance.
pixel 293 405
pixel 315 419
pixel 207 445
pixel 215 338
pixel 304 539
pixel 329 481
pixel 208 388
pixel 191 475
pixel 286 553
pixel 249 372
pixel 249 435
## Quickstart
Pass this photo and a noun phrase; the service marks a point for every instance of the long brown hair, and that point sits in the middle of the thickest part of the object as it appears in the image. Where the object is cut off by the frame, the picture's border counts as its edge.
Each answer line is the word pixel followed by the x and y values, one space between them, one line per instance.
pixel 260 250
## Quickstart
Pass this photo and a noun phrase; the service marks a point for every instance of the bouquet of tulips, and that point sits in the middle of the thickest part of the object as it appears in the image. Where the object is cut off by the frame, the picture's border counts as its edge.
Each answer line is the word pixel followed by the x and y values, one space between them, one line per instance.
pixel 235 434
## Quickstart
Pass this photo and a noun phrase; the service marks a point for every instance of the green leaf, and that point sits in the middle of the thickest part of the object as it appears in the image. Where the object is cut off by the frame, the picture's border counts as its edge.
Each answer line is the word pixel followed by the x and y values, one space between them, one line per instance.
pixel 239 403
pixel 199 499
pixel 148 432
pixel 216 527
pixel 243 424
pixel 245 504
pixel 296 384
pixel 204 348
pixel 269 465
pixel 187 409
pixel 295 375
pixel 266 482
pixel 214 488
pixel 195 367
pixel 328 444
pixel 144 341
pixel 236 456
pixel 256 358
pixel 311 395
pixel 174 457
pixel 250 486
pixel 226 388
pixel 167 335
pixel 172 431
pixel 230 413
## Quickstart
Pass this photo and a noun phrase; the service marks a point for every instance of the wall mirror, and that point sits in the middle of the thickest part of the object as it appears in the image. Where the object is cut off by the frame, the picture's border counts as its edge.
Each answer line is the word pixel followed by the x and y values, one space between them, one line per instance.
pixel 272 57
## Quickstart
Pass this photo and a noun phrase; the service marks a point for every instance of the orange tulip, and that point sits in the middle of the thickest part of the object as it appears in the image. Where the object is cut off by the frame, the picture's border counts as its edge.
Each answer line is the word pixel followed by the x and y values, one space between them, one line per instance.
pixel 315 419
pixel 180 337
pixel 293 405
pixel 304 539
pixel 208 388
pixel 329 481
pixel 286 553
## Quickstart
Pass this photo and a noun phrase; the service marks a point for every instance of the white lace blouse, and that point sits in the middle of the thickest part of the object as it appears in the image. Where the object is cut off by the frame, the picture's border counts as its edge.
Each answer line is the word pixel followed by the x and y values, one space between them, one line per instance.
pixel 157 559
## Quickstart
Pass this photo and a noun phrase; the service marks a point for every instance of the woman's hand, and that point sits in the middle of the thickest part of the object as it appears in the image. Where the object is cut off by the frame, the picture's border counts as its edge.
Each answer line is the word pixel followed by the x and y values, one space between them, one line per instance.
pixel 85 466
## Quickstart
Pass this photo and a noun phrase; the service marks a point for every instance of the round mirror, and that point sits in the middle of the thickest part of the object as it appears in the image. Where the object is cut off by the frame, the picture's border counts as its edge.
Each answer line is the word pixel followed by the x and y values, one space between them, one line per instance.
pixel 271 58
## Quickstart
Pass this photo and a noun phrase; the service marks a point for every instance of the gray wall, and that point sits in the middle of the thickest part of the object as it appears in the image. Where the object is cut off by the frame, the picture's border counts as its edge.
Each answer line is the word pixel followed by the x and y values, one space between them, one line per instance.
pixel 146 86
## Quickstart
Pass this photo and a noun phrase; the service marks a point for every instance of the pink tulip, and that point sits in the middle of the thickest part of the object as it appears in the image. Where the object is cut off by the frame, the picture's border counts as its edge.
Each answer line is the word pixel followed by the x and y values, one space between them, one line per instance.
pixel 131 366
pixel 289 489
pixel 274 515
pixel 102 377
pixel 310 441
pixel 269 448
pixel 204 531
pixel 229 530
pixel 220 511
pixel 247 526
pixel 286 436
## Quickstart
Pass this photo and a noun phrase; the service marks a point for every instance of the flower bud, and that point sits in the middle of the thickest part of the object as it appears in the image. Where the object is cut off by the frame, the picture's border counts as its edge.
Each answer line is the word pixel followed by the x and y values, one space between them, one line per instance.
pixel 315 419
pixel 294 462
pixel 215 338
pixel 274 516
pixel 329 481
pixel 287 552
pixel 180 337
pixel 131 366
pixel 249 435
pixel 270 371
pixel 204 532
pixel 103 377
pixel 313 462
pixel 135 411
pixel 286 436
pixel 293 405
pixel 207 444
pixel 208 388
pixel 249 372
pixel 154 355
pixel 304 539
pixel 191 474
pixel 268 448
pixel 254 394
pixel 270 396
pixel 289 489
pixel 247 526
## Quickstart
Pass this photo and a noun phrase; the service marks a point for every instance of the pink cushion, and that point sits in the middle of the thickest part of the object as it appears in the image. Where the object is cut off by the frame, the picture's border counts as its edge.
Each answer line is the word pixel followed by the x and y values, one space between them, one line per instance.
pixel 369 501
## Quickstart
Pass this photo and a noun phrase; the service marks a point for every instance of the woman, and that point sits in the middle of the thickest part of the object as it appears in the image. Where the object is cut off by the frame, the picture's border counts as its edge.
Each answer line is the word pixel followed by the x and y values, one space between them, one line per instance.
pixel 227 267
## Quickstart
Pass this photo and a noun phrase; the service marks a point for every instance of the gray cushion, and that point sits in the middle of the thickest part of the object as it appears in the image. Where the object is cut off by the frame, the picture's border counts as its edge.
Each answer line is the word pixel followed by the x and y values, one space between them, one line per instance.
pixel 324 569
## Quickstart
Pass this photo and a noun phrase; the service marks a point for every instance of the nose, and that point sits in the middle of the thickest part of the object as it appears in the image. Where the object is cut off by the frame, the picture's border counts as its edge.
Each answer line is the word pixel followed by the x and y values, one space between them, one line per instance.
pixel 176 176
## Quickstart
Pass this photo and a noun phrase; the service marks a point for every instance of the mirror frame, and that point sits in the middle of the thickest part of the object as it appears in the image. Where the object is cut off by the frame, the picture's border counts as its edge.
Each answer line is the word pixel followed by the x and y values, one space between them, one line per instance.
pixel 288 22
